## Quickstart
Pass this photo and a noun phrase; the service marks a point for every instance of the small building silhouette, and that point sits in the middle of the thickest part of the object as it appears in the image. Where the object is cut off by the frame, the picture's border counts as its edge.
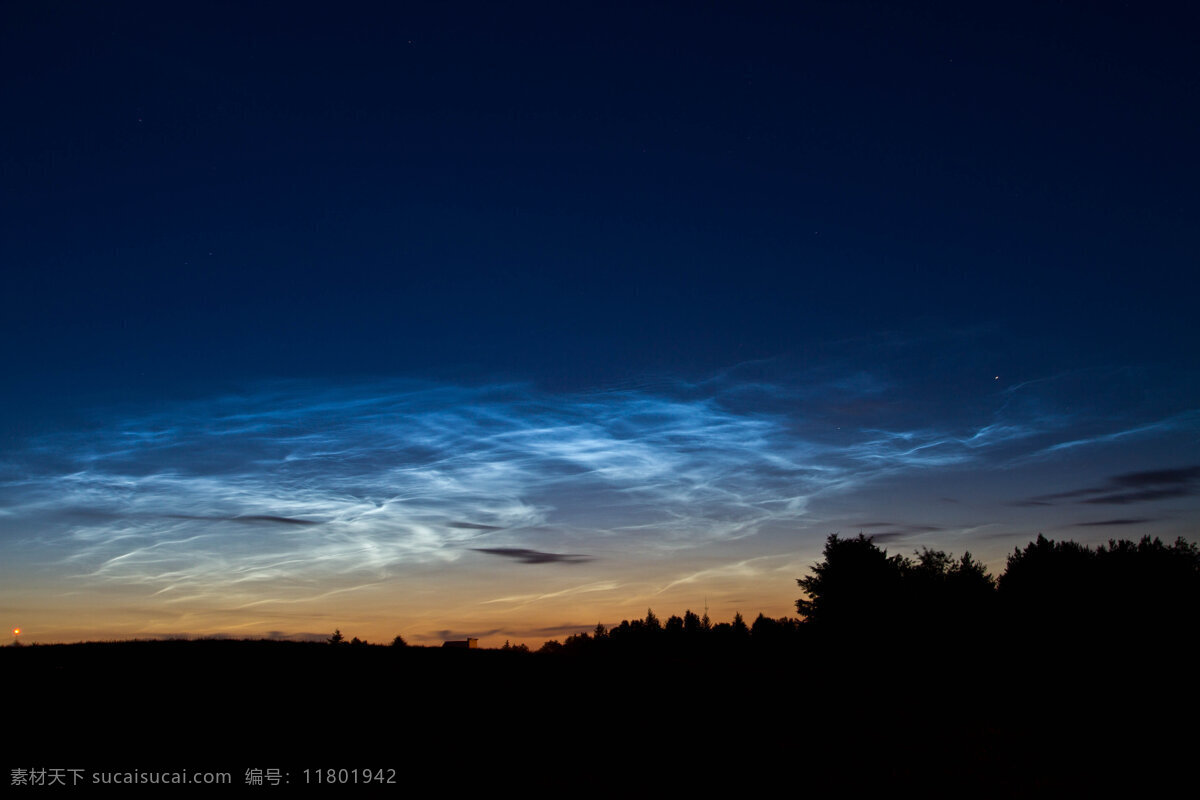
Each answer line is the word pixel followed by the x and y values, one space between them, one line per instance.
pixel 465 644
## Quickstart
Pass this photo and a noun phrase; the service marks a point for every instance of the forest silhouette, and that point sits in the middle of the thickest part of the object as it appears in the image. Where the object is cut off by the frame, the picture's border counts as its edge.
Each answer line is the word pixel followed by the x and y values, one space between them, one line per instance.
pixel 1070 670
pixel 1049 593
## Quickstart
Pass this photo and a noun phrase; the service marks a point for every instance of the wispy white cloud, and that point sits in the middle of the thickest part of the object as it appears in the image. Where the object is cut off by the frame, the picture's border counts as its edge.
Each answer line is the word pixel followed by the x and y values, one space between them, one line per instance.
pixel 258 498
pixel 1188 419
pixel 746 568
pixel 527 599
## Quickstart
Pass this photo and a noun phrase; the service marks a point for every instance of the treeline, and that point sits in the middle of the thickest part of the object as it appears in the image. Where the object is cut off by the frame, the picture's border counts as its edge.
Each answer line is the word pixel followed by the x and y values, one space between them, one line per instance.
pixel 689 633
pixel 1049 591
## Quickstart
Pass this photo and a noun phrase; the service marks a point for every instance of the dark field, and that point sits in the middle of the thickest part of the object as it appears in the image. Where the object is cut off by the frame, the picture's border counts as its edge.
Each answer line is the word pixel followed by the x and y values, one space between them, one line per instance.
pixel 1051 715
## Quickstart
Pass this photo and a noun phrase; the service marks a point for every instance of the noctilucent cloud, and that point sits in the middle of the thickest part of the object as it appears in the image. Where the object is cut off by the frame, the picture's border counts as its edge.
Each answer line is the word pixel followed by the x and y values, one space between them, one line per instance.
pixel 498 323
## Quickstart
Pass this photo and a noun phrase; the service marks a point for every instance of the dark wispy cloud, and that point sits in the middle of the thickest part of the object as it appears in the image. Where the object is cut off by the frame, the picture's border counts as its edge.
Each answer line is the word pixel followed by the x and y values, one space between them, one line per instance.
pixel 1143 496
pixel 526 556
pixel 893 530
pixel 566 628
pixel 887 536
pixel 1130 487
pixel 298 637
pixel 1103 522
pixel 900 527
pixel 447 633
pixel 247 518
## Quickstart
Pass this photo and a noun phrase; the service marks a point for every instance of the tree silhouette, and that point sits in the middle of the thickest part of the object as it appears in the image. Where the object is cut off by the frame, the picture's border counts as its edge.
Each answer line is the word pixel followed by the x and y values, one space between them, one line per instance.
pixel 1149 583
pixel 773 633
pixel 1050 585
pixel 337 637
pixel 1144 587
pixel 856 585
pixel 943 596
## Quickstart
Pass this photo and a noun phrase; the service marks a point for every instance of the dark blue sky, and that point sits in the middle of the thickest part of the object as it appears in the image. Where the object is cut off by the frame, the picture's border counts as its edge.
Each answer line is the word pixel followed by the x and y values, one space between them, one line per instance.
pixel 930 252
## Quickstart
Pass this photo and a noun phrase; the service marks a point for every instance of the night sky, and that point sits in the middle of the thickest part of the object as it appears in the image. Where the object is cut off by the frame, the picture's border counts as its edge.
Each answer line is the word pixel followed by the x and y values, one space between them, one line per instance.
pixel 500 320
